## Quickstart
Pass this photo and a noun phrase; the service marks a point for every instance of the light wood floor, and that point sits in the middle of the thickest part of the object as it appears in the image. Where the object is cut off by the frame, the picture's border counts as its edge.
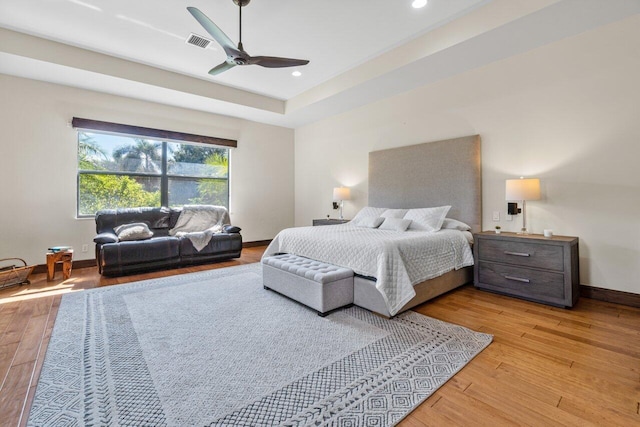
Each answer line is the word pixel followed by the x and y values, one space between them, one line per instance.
pixel 546 366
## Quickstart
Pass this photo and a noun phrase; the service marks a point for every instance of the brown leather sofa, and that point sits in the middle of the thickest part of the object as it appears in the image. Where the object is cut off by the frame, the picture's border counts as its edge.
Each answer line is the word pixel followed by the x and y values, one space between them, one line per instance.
pixel 115 257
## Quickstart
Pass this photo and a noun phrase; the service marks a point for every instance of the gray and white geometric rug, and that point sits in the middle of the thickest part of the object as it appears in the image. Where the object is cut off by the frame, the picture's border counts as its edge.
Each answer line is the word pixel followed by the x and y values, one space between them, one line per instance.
pixel 215 349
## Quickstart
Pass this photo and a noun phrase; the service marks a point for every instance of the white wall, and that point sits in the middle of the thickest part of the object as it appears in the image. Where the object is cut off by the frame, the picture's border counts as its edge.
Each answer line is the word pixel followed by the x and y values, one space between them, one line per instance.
pixel 566 113
pixel 38 164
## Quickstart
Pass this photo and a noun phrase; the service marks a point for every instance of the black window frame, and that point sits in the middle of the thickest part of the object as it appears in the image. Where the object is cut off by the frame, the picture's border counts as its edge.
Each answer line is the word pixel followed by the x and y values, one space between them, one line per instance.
pixel 161 136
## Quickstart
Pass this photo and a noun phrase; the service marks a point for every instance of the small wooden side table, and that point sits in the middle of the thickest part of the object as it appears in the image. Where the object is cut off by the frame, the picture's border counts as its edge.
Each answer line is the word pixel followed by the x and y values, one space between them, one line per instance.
pixel 65 257
pixel 329 221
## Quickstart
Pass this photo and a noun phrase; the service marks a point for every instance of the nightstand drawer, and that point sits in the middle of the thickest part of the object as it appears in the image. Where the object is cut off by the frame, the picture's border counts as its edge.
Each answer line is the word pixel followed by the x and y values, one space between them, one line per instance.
pixel 526 254
pixel 521 281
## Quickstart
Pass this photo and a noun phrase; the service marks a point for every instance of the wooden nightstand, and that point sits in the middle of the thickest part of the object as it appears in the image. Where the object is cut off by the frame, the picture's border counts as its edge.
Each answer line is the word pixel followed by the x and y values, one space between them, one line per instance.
pixel 329 221
pixel 530 266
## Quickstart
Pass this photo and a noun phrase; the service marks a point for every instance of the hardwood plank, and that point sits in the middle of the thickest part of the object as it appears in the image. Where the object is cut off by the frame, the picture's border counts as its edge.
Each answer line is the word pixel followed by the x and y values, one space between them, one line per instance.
pixel 534 413
pixel 429 416
pixel 19 321
pixel 464 409
pixel 7 353
pixel 597 414
pixel 6 315
pixel 30 343
pixel 610 396
pixel 14 391
pixel 578 348
pixel 621 347
pixel 412 421
pixel 496 379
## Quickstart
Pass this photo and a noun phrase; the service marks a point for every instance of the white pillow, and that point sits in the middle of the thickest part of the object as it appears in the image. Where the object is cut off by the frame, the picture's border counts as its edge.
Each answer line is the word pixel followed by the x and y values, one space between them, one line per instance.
pixel 454 224
pixel 427 219
pixel 369 222
pixel 134 231
pixel 394 213
pixel 395 224
pixel 368 212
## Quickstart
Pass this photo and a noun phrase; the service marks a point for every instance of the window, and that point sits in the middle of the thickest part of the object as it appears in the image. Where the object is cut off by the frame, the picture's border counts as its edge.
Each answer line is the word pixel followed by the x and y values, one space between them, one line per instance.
pixel 119 171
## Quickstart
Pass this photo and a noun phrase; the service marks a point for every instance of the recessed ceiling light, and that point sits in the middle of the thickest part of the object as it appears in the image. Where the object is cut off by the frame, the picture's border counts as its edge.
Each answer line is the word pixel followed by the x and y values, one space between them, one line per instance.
pixel 417 4
pixel 296 74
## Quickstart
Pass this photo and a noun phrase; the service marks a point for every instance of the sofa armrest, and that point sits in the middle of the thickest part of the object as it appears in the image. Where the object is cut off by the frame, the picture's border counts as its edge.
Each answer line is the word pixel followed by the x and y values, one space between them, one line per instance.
pixel 106 237
pixel 231 229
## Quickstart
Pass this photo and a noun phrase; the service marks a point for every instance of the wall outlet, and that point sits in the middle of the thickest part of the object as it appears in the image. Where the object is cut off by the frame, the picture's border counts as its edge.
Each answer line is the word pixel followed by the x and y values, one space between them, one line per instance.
pixel 85 248
pixel 496 215
pixel 508 217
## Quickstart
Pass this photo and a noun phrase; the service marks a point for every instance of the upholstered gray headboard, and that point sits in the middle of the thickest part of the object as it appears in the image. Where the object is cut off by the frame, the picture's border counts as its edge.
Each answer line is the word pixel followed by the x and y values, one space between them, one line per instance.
pixel 437 173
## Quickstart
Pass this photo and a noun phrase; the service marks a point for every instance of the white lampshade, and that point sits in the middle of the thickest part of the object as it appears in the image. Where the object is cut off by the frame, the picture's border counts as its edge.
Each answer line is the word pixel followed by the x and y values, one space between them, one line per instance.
pixel 523 189
pixel 341 193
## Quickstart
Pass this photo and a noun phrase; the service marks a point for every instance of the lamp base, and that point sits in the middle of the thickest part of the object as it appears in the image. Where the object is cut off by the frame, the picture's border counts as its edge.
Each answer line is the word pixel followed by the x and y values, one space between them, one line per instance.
pixel 523 231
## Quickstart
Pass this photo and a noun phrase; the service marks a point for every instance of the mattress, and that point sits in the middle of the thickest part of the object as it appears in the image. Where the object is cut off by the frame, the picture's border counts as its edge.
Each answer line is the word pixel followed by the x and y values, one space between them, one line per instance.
pixel 398 260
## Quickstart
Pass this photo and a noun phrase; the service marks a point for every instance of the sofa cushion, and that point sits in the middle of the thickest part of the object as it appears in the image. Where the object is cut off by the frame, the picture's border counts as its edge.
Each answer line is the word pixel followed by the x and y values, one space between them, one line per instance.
pixel 141 251
pixel 109 219
pixel 219 244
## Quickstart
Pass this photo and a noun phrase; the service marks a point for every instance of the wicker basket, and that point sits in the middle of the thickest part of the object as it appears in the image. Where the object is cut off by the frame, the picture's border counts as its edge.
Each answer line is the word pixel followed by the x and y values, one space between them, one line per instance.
pixel 14 274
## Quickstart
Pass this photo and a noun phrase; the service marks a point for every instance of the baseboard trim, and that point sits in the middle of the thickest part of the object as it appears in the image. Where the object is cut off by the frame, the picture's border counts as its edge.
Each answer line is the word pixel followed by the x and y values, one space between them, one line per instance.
pixel 610 295
pixel 82 263
pixel 256 243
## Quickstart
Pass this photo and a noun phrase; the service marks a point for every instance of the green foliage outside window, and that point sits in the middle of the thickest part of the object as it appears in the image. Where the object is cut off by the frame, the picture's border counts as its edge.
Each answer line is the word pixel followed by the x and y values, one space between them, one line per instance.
pixel 214 191
pixel 108 191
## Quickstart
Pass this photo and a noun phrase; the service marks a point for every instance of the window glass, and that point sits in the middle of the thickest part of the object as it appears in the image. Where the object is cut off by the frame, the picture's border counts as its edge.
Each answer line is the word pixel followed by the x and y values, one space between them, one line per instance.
pixel 197 161
pixel 118 171
pixel 183 191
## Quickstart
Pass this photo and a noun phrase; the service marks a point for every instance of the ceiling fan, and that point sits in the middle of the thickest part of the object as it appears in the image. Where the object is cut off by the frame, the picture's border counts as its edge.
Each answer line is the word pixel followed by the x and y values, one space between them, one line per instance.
pixel 238 56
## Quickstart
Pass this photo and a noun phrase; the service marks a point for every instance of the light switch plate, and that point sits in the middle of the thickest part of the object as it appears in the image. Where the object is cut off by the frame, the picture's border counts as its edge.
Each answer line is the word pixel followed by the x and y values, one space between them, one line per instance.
pixel 508 217
pixel 496 215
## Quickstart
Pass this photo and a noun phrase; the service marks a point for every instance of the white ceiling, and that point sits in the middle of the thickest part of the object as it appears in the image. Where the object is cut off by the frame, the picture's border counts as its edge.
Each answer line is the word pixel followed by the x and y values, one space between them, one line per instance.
pixel 360 50
pixel 335 35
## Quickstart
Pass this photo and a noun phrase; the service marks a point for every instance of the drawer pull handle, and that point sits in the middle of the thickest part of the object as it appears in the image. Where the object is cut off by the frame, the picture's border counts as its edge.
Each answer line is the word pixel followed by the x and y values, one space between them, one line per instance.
pixel 516 253
pixel 517 279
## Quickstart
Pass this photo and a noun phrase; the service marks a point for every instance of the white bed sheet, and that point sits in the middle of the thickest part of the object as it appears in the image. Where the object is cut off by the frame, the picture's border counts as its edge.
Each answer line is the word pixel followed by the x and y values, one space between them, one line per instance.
pixel 398 260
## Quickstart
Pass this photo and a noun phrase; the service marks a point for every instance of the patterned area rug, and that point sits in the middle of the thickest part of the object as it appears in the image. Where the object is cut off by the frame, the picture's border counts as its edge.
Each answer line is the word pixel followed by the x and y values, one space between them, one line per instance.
pixel 216 349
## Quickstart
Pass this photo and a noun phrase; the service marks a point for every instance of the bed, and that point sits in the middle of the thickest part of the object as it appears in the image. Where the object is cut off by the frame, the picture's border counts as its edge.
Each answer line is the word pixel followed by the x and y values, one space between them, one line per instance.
pixel 441 173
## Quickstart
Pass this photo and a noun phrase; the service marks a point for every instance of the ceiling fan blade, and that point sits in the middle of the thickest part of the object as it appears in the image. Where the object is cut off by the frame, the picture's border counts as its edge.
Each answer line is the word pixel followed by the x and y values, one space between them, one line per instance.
pixel 218 35
pixel 221 68
pixel 276 62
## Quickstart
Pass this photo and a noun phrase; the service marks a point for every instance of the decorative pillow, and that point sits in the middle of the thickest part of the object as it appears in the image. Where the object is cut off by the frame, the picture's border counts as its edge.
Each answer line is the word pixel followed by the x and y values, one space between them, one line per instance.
pixel 427 219
pixel 369 222
pixel 231 229
pixel 394 213
pixel 395 224
pixel 454 224
pixel 368 212
pixel 134 231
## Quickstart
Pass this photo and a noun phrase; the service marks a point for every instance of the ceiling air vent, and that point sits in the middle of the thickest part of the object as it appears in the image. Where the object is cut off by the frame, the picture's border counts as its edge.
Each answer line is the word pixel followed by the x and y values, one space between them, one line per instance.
pixel 197 40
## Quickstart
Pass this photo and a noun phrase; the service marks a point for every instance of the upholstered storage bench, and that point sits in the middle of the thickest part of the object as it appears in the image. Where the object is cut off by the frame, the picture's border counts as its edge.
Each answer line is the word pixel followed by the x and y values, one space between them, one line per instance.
pixel 321 286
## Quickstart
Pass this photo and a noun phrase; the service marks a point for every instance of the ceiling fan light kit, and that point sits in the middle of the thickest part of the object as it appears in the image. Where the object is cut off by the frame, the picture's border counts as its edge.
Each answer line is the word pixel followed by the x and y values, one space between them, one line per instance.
pixel 237 55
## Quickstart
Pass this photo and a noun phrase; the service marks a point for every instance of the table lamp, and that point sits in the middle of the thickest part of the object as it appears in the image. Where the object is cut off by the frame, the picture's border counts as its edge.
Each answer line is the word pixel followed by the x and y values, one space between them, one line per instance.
pixel 523 189
pixel 340 194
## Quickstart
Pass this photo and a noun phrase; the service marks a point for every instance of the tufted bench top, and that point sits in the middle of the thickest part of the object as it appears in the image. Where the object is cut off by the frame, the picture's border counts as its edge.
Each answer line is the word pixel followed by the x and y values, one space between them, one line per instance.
pixel 317 271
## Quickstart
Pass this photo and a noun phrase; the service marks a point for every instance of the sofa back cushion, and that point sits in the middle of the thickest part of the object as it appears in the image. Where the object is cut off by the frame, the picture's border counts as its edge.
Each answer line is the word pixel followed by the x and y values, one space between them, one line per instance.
pixel 156 218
